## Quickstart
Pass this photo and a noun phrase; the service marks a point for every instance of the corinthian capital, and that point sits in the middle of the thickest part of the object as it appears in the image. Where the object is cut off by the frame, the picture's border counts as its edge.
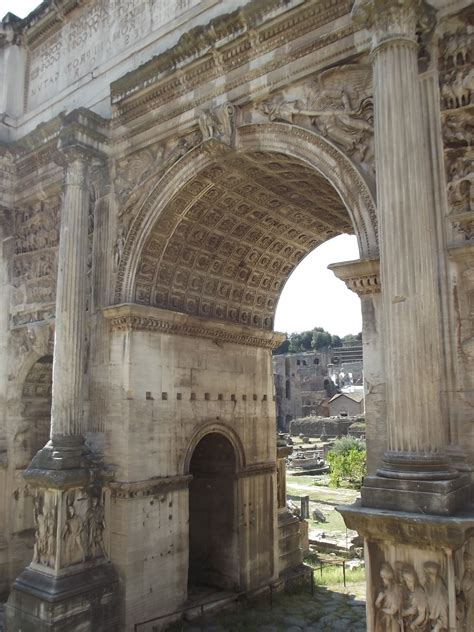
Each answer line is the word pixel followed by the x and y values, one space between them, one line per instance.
pixel 390 19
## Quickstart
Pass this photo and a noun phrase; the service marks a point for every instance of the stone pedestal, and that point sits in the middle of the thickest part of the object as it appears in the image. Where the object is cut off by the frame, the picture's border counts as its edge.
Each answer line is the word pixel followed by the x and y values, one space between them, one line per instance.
pixel 69 585
pixel 419 569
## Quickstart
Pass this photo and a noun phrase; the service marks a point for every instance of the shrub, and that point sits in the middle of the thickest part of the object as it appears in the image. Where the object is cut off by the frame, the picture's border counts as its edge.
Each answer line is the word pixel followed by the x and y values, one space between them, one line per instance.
pixel 347 462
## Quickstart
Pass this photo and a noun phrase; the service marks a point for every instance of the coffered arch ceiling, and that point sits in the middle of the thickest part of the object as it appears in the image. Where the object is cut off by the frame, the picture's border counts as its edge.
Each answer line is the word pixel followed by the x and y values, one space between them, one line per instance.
pixel 229 239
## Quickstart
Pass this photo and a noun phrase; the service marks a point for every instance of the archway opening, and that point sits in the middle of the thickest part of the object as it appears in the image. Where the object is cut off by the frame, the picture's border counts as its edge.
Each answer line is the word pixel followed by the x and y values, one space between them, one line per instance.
pixel 226 243
pixel 33 431
pixel 213 544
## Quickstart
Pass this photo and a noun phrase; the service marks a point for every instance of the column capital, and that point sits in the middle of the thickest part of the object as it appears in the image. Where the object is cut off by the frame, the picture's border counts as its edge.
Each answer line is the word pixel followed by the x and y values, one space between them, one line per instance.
pixel 391 20
pixel 361 276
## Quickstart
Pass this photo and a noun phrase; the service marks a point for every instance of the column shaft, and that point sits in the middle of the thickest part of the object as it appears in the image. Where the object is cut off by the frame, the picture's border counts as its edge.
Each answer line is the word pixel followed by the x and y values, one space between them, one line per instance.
pixel 407 254
pixel 70 338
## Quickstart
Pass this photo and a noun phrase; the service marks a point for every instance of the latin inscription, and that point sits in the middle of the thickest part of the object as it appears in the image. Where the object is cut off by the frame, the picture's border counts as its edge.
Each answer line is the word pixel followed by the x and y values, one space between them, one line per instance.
pixel 97 32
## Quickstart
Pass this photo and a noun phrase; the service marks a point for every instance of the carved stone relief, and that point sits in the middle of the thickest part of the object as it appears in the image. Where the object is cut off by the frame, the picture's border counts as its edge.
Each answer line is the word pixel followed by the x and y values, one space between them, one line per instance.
pixel 456 71
pixel 37 227
pixel 74 531
pixel 131 172
pixel 218 123
pixel 77 517
pixel 35 261
pixel 83 527
pixel 45 521
pixel 456 47
pixel 339 104
pixel 405 603
pixel 465 596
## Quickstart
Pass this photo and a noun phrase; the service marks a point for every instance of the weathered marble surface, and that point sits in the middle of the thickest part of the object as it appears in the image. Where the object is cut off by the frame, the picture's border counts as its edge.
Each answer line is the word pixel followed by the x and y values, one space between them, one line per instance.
pixel 220 146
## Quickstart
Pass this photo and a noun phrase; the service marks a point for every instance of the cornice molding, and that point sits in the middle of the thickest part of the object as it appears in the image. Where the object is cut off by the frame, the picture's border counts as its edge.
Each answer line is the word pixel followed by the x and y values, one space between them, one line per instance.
pixel 156 486
pixel 132 317
pixel 361 276
pixel 257 469
pixel 220 47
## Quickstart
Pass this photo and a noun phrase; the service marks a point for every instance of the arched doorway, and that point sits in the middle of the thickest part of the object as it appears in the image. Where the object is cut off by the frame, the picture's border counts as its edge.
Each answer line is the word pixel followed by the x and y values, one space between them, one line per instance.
pixel 33 429
pixel 213 536
pixel 209 249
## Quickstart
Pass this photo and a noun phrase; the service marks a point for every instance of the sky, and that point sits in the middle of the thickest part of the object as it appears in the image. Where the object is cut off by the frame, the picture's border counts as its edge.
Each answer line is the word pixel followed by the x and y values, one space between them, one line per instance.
pixel 21 8
pixel 312 296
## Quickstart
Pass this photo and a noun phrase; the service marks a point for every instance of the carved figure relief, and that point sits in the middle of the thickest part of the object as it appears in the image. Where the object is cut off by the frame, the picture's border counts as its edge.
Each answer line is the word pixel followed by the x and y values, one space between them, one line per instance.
pixel 404 604
pixel 218 123
pixel 35 260
pixel 37 228
pixel 95 527
pixel 415 612
pixel 389 602
pixel 83 530
pixel 437 595
pixel 466 594
pixel 73 536
pixel 339 104
pixel 45 521
pixel 456 58
pixel 461 184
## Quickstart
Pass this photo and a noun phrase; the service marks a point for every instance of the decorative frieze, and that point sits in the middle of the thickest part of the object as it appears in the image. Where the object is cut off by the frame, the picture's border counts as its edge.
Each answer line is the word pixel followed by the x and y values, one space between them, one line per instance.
pixel 141 318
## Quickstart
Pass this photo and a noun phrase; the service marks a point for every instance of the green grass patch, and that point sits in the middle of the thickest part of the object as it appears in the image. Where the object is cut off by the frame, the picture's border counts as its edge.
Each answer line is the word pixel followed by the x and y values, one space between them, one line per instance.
pixel 334 576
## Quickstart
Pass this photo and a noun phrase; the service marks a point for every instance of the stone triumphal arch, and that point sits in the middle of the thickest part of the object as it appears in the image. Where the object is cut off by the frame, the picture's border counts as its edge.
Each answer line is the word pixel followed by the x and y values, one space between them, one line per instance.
pixel 164 166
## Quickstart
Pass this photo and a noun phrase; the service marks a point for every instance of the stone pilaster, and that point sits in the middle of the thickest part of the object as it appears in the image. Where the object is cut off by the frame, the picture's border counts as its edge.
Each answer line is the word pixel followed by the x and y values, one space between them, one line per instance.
pixel 363 278
pixel 417 433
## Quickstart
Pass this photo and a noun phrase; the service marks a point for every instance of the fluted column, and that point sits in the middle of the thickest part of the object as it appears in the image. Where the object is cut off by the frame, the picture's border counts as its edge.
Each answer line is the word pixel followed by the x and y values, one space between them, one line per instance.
pixel 70 338
pixel 416 432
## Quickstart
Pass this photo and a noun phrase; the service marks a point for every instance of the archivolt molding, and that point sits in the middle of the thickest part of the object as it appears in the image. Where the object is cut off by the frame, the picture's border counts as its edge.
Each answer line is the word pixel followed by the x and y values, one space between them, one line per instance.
pixel 289 140
pixel 218 428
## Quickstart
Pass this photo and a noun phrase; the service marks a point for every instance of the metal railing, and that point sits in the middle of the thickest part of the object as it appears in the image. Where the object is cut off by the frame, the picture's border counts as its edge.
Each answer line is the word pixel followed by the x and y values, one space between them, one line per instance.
pixel 201 606
pixel 333 563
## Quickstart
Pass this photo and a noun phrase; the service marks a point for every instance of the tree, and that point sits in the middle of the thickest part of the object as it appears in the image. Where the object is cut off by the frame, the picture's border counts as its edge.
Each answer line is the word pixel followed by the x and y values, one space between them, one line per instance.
pixel 283 348
pixel 347 462
pixel 316 339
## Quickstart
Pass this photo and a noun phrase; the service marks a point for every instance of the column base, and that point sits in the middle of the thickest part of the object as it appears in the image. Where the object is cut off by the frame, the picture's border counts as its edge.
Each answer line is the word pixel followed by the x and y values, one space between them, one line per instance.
pixel 61 453
pixel 418 567
pixel 86 601
pixel 438 498
pixel 417 466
